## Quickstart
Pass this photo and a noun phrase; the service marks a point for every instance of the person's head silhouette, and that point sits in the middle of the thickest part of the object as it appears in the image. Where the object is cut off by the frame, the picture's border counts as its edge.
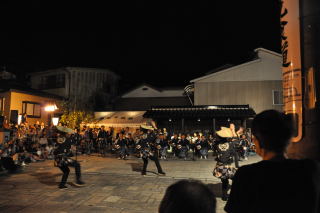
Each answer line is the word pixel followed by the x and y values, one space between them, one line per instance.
pixel 188 196
pixel 272 131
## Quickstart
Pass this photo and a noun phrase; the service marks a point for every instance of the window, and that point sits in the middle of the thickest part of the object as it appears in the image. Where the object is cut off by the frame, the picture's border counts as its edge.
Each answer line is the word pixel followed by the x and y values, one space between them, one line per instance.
pixel 32 109
pixel 52 81
pixel 277 98
pixel 145 88
pixel 1 105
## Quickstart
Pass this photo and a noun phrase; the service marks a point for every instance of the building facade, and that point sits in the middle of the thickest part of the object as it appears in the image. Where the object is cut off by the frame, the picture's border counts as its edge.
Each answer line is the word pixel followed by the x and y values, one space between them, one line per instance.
pixel 145 96
pixel 205 119
pixel 15 102
pixel 257 83
pixel 78 85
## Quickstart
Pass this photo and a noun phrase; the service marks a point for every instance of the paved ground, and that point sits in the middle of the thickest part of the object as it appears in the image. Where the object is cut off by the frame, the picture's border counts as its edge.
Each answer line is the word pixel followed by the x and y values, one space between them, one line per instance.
pixel 112 185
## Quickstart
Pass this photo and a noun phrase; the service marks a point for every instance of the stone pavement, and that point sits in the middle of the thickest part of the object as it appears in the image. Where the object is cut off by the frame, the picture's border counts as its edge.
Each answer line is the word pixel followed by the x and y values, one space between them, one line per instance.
pixel 112 185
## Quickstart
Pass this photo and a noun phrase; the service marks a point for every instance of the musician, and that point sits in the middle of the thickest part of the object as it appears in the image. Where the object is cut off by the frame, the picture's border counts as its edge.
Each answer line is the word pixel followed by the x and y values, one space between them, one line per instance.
pixel 211 141
pixel 148 151
pixel 102 139
pixel 122 146
pixel 130 144
pixel 225 157
pixel 162 146
pixel 244 144
pixel 202 147
pixel 182 147
pixel 88 136
pixel 62 155
pixel 192 145
pixel 127 132
pixel 173 143
pixel 235 139
pixel 137 150
pixel 76 137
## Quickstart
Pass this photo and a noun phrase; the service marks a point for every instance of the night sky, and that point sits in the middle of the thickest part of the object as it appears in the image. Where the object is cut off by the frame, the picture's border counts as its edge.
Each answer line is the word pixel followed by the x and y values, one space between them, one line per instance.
pixel 157 42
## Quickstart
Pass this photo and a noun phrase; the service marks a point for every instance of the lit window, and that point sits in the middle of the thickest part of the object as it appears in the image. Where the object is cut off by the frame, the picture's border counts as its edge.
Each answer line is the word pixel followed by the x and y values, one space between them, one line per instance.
pixel 277 98
pixel 1 105
pixel 32 109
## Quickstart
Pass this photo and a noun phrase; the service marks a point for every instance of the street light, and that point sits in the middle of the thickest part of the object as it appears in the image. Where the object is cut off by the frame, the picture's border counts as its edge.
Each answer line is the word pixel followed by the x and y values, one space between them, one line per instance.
pixel 50 108
pixel 19 119
pixel 55 121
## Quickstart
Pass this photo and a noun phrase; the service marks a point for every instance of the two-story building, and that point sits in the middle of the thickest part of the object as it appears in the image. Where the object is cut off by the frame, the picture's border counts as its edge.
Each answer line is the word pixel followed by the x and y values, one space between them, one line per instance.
pixel 78 85
pixel 257 83
pixel 17 99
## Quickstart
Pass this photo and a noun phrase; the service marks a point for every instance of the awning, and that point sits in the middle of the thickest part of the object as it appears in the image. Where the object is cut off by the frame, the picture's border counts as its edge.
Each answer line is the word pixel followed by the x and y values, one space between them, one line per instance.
pixel 216 111
pixel 122 119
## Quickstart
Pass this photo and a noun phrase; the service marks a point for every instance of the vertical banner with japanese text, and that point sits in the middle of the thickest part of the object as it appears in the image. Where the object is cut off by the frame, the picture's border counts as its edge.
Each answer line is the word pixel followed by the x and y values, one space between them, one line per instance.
pixel 291 65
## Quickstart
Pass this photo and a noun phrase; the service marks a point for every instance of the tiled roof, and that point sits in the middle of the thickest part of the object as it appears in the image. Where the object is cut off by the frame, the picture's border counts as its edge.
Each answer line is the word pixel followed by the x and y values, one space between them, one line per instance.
pixel 222 111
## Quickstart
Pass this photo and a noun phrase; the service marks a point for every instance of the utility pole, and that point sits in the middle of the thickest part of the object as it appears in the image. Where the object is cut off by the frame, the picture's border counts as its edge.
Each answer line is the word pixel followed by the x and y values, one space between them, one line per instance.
pixel 300 34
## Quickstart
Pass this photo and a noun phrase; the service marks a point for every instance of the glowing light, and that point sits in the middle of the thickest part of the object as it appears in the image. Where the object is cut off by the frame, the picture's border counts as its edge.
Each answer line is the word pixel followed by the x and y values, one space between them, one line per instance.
pixel 212 107
pixel 55 121
pixel 19 119
pixel 50 108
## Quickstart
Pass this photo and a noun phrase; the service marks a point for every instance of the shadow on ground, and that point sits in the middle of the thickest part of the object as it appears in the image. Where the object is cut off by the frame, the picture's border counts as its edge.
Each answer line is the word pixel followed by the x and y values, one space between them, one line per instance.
pixel 46 178
pixel 136 167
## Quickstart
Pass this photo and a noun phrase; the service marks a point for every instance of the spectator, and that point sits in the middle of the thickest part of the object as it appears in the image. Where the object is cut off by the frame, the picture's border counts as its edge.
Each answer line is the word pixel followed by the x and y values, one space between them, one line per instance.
pixel 275 184
pixel 188 196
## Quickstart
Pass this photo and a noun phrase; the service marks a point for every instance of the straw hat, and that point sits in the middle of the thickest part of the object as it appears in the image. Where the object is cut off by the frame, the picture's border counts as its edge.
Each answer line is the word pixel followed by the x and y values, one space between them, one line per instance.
pixel 147 127
pixel 225 132
pixel 65 129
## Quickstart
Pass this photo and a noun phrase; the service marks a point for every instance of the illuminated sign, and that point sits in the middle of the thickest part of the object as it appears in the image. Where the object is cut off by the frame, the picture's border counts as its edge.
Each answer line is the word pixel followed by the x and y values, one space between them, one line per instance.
pixel 291 64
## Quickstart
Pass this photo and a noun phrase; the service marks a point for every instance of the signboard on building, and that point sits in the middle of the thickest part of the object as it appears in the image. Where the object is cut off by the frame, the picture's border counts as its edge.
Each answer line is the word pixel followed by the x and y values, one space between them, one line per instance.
pixel 291 65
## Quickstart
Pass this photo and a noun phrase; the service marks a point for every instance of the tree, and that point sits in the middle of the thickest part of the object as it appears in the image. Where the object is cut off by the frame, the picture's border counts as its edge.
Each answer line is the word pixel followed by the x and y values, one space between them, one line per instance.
pixel 72 116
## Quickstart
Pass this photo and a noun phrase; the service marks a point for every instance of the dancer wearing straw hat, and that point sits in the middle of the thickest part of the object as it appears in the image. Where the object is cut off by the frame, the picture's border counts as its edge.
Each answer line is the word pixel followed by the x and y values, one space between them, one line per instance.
pixel 226 156
pixel 62 155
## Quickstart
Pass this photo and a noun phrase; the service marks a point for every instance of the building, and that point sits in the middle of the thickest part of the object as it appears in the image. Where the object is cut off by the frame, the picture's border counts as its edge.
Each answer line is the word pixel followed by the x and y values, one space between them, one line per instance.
pixel 16 100
pixel 121 119
pixel 205 119
pixel 145 96
pixel 79 85
pixel 257 83
pixel 130 107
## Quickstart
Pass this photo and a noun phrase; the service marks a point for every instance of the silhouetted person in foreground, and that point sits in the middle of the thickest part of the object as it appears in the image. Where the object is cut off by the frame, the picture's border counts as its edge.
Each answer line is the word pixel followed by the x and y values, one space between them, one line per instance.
pixel 188 196
pixel 275 184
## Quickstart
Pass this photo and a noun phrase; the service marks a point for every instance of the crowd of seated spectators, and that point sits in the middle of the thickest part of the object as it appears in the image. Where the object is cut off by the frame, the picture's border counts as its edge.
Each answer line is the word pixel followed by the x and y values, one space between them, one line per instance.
pixel 26 144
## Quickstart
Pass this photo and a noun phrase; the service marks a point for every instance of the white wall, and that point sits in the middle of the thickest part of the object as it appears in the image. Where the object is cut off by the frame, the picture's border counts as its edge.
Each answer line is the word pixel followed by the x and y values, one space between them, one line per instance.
pixel 268 67
pixel 249 83
pixel 151 92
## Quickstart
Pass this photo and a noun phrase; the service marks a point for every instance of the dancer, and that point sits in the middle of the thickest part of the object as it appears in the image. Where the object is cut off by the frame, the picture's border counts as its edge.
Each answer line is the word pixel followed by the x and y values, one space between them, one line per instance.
pixel 62 158
pixel 226 155
pixel 148 151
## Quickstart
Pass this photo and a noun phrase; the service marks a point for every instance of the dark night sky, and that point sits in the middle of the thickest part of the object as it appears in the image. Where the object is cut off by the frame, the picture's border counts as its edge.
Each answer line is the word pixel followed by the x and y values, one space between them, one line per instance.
pixel 157 42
